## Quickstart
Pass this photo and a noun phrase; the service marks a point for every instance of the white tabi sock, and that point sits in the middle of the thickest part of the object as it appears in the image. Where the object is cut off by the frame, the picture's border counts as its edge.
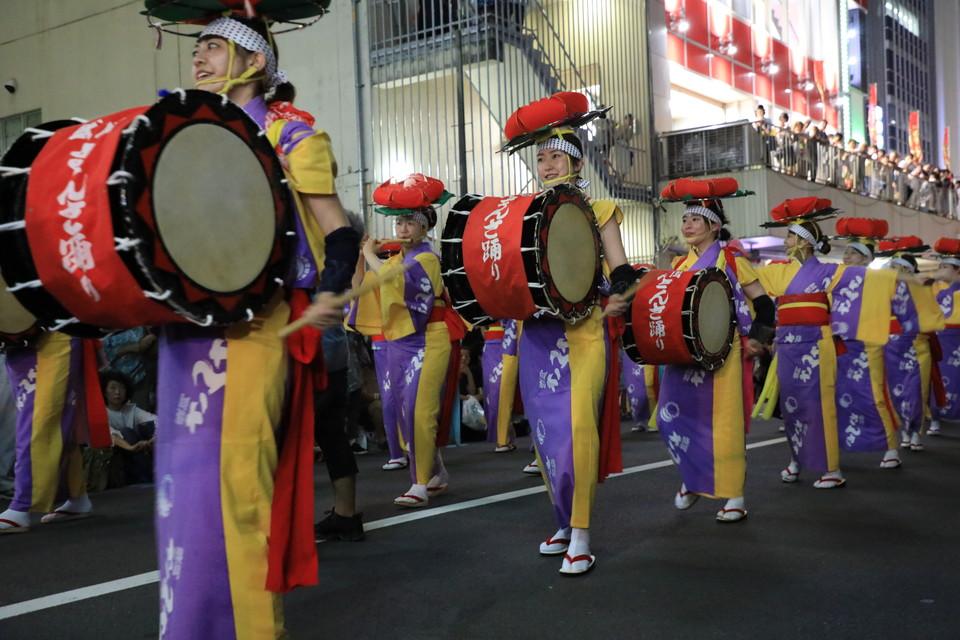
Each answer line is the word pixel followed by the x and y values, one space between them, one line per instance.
pixel 22 518
pixel 579 543
pixel 80 504
pixel 735 503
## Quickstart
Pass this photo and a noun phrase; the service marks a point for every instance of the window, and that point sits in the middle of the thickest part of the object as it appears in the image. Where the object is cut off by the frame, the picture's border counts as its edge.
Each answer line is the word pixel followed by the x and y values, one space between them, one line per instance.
pixel 12 126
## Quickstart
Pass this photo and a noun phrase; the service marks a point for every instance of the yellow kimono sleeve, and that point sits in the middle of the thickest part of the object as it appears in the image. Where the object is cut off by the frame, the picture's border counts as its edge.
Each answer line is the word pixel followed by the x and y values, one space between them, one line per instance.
pixel 928 309
pixel 746 273
pixel 394 315
pixel 604 210
pixel 311 165
pixel 878 288
pixel 363 316
pixel 775 278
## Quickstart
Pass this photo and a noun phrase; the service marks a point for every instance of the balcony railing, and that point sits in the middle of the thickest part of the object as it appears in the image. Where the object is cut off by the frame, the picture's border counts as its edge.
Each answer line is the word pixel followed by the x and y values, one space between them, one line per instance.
pixel 743 145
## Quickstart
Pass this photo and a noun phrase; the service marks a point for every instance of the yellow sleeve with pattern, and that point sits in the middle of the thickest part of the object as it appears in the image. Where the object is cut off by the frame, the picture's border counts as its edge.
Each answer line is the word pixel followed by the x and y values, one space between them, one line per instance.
pixel 879 286
pixel 311 166
pixel 746 272
pixel 928 309
pixel 775 278
pixel 604 210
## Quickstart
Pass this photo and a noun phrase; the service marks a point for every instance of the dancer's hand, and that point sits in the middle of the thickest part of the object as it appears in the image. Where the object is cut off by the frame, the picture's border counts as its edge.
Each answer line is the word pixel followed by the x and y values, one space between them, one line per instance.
pixel 617 305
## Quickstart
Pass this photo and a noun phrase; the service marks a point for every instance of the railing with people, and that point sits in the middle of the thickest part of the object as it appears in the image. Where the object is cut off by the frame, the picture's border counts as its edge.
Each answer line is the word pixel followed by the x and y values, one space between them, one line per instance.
pixel 862 170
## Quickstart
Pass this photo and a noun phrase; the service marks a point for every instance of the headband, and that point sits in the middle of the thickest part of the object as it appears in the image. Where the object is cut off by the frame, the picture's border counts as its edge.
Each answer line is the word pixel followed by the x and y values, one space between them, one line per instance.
pixel 862 248
pixel 241 34
pixel 709 214
pixel 904 263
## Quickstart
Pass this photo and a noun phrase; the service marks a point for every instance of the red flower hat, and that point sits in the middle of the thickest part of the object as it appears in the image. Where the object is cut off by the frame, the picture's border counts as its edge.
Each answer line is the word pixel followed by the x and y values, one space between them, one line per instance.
pixel 795 210
pixel 949 247
pixel 530 123
pixel 403 196
pixel 689 189
pixel 898 245
pixel 857 228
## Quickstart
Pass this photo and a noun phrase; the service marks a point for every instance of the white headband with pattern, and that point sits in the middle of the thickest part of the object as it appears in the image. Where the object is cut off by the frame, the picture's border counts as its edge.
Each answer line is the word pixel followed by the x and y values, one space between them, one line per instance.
pixel 560 145
pixel 709 214
pixel 904 263
pixel 951 261
pixel 803 233
pixel 862 248
pixel 241 34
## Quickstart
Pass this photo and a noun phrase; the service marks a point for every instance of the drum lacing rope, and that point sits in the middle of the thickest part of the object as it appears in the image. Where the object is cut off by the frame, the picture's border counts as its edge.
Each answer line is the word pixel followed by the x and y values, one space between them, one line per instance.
pixel 60 324
pixel 79 120
pixel 125 244
pixel 132 127
pixel 250 315
pixel 13 226
pixel 39 134
pixel 206 322
pixel 6 172
pixel 533 215
pixel 119 177
pixel 536 285
pixel 224 100
pixel 182 93
pixel 290 233
pixel 454 240
pixel 32 284
pixel 522 249
pixel 463 305
pixel 158 296
pixel 456 271
pixel 279 281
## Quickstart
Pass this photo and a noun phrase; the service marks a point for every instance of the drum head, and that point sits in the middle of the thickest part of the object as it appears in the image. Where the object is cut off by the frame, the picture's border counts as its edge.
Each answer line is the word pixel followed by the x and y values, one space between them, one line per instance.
pixel 713 319
pixel 214 207
pixel 572 268
pixel 14 318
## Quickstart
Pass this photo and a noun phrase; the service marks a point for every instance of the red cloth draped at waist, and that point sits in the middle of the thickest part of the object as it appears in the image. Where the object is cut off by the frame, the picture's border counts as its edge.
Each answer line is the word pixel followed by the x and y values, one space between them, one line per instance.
pixel 807 309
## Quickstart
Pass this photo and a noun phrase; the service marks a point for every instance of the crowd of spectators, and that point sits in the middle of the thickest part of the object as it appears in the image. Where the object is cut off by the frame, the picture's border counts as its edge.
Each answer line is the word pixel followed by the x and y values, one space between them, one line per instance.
pixel 812 150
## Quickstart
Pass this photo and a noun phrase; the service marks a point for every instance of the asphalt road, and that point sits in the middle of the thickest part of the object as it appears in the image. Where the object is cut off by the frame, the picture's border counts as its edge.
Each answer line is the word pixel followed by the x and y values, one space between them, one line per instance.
pixel 877 559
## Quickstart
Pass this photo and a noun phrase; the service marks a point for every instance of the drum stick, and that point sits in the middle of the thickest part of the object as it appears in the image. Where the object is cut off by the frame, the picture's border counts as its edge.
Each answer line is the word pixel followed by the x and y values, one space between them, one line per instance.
pixel 627 295
pixel 373 282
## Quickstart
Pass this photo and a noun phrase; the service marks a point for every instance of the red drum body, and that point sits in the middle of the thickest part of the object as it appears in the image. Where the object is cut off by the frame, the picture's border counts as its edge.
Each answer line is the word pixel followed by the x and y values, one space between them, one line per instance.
pixel 681 317
pixel 517 256
pixel 170 213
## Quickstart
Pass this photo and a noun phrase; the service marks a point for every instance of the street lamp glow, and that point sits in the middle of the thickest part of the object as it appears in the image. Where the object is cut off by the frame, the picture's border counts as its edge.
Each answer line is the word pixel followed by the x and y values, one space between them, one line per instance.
pixel 683 25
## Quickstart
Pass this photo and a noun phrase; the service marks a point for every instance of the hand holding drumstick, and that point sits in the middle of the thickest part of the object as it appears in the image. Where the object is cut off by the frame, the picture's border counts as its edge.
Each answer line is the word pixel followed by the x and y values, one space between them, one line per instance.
pixel 619 303
pixel 327 308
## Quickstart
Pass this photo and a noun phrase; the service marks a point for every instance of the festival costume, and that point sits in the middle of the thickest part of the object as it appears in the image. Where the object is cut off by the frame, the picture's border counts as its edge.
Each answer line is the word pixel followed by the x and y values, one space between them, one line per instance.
pixel 948 250
pixel 909 357
pixel 866 420
pixel 422 335
pixel 222 396
pixel 499 364
pixel 641 384
pixel 810 296
pixel 702 415
pixel 49 383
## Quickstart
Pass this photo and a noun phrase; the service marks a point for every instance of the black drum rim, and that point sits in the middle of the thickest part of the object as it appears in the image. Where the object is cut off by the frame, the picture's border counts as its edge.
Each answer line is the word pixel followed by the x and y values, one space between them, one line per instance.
pixel 133 218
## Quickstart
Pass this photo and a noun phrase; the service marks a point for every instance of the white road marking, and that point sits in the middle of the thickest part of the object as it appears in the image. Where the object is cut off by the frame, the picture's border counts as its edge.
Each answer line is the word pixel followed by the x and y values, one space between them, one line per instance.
pixel 150 577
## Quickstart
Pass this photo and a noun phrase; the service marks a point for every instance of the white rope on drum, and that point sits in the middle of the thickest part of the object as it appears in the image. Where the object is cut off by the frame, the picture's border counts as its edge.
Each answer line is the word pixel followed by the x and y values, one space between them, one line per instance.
pixel 6 172
pixel 158 296
pixel 182 93
pixel 32 284
pixel 206 322
pixel 132 127
pixel 125 244
pixel 39 134
pixel 279 281
pixel 79 120
pixel 290 233
pixel 60 324
pixel 249 314
pixel 224 100
pixel 13 226
pixel 119 177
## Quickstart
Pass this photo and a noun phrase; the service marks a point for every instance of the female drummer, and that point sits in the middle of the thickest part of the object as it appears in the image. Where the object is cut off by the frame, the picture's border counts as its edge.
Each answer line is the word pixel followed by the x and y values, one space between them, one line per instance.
pixel 705 432
pixel 948 296
pixel 48 382
pixel 866 420
pixel 221 392
pixel 414 320
pixel 563 367
pixel 908 355
pixel 806 356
